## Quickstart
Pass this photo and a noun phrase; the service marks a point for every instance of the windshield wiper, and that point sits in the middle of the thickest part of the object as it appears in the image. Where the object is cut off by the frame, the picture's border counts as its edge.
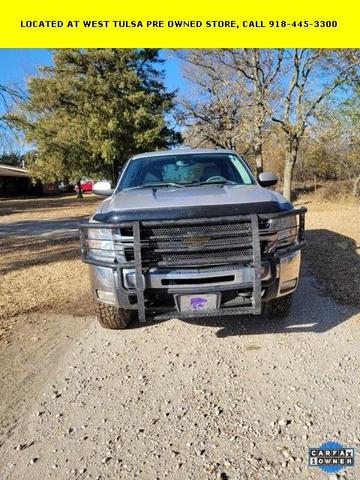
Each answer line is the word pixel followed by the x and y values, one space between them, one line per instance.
pixel 155 185
pixel 216 182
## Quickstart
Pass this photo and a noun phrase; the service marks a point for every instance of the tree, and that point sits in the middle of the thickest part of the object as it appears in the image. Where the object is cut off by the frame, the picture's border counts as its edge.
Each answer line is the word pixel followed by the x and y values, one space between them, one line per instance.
pixel 8 95
pixel 315 74
pixel 350 132
pixel 12 158
pixel 259 68
pixel 213 113
pixel 340 139
pixel 240 92
pixel 233 88
pixel 92 109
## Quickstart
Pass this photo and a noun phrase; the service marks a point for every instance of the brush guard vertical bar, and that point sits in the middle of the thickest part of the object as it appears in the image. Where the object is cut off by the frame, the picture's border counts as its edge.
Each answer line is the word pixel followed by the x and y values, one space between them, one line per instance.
pixel 140 283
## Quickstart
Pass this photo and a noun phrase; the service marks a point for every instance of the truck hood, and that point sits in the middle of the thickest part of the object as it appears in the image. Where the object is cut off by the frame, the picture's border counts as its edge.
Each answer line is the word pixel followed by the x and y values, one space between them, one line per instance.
pixel 189 202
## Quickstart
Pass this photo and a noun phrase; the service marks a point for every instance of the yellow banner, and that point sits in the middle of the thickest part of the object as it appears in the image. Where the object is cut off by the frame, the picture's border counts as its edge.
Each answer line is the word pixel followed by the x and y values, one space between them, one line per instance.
pixel 186 23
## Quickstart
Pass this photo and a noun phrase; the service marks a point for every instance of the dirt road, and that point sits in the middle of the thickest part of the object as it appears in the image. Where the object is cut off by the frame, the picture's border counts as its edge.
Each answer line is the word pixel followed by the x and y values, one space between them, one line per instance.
pixel 181 400
pixel 44 228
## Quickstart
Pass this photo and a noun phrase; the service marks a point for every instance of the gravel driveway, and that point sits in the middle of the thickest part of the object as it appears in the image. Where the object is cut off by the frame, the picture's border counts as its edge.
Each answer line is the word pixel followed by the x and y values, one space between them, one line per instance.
pixel 218 399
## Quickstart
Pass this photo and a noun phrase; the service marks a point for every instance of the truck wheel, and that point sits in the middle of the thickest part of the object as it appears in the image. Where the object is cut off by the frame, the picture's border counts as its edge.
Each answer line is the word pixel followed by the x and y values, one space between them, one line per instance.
pixel 113 317
pixel 278 307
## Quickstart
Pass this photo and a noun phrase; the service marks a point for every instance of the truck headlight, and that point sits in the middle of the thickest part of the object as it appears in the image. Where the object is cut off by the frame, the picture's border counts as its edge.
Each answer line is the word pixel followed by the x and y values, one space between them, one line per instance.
pixel 107 244
pixel 101 245
pixel 285 228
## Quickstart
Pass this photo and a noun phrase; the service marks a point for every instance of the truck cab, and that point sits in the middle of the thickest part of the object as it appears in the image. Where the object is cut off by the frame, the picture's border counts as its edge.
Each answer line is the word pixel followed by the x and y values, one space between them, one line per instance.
pixel 189 233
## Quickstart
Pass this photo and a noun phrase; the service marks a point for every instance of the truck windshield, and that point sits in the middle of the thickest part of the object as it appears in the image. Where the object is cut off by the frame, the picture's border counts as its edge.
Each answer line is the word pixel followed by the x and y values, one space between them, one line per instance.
pixel 185 170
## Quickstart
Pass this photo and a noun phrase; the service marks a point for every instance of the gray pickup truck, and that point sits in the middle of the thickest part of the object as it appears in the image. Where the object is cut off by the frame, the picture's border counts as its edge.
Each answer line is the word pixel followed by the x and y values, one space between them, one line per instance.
pixel 190 233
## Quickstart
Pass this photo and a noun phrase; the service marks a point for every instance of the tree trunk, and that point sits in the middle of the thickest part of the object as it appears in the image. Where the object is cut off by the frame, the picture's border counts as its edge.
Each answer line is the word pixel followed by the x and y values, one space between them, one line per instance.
pixel 258 144
pixel 258 159
pixel 114 176
pixel 79 193
pixel 356 186
pixel 290 160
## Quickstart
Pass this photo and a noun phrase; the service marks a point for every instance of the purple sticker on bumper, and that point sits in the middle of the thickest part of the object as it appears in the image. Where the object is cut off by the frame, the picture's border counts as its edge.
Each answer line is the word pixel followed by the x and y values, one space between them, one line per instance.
pixel 198 302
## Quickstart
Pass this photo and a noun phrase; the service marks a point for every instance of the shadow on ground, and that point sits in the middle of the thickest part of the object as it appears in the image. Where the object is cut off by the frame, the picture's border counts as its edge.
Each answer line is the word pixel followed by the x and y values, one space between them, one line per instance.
pixel 51 228
pixel 330 274
pixel 19 254
pixel 334 261
pixel 298 191
pixel 310 313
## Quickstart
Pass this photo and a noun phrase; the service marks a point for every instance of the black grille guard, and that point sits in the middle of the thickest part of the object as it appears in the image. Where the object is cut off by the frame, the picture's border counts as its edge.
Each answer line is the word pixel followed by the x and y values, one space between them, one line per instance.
pixel 255 228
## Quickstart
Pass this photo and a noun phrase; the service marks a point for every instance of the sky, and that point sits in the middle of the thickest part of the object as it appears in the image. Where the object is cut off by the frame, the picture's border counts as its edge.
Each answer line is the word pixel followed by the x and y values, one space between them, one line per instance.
pixel 18 63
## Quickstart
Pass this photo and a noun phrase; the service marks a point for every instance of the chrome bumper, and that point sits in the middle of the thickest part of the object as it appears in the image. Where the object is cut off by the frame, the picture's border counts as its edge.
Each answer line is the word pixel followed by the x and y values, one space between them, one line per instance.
pixel 120 283
pixel 288 273
pixel 190 278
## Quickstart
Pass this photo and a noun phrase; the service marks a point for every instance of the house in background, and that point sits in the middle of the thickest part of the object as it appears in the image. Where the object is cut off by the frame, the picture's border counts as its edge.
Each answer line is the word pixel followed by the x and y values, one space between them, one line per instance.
pixel 16 182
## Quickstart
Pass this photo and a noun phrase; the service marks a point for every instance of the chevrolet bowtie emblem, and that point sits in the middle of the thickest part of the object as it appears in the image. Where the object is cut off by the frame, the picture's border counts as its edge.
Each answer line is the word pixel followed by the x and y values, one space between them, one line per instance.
pixel 197 240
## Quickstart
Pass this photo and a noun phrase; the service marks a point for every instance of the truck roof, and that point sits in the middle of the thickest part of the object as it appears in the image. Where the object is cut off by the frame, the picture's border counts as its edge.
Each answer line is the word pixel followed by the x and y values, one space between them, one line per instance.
pixel 182 151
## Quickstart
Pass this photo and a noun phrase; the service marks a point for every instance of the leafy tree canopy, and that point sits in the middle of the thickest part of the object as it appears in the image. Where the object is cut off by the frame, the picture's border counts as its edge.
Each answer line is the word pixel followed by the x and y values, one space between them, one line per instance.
pixel 14 159
pixel 94 108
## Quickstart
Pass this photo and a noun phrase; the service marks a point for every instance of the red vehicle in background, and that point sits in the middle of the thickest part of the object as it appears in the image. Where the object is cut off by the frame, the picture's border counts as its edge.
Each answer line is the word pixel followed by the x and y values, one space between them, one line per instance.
pixel 86 185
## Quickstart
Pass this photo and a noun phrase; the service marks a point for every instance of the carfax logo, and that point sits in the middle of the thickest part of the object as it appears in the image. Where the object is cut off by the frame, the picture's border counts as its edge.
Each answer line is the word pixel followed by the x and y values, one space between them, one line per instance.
pixel 331 457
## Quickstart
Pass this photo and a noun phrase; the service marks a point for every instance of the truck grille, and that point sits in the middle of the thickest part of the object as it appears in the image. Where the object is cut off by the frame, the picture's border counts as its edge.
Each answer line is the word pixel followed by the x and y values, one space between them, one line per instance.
pixel 210 242
pixel 199 244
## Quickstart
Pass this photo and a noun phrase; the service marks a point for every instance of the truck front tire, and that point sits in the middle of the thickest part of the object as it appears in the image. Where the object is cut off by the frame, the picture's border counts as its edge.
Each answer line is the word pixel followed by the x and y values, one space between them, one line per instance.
pixel 278 307
pixel 113 317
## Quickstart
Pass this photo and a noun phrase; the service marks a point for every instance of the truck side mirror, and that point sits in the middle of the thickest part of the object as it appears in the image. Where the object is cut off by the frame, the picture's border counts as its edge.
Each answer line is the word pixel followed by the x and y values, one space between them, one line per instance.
pixel 267 179
pixel 103 188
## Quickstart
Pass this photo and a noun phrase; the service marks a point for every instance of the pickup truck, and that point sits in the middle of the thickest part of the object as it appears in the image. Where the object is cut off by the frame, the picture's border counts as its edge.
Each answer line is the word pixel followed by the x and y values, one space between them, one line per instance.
pixel 191 233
